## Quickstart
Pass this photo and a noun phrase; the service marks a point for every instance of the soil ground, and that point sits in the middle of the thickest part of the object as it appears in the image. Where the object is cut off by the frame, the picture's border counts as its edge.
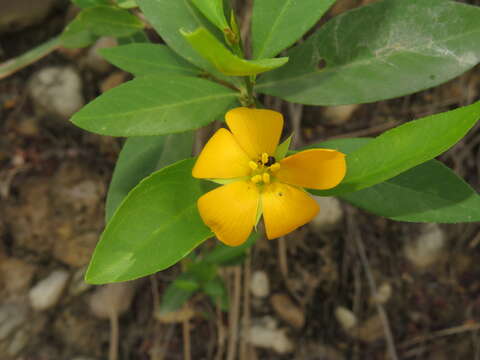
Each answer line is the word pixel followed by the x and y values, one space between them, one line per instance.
pixel 322 282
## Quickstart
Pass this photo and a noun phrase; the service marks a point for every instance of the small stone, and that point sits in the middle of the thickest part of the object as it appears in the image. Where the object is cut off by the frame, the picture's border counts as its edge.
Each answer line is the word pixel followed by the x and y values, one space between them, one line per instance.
pixel 427 248
pixel 287 310
pixel 96 61
pixel 346 318
pixel 260 285
pixel 58 90
pixel 370 331
pixel 384 292
pixel 329 216
pixel 266 335
pixel 12 315
pixel 338 115
pixel 111 299
pixel 19 341
pixel 46 293
pixel 183 314
pixel 17 275
pixel 114 79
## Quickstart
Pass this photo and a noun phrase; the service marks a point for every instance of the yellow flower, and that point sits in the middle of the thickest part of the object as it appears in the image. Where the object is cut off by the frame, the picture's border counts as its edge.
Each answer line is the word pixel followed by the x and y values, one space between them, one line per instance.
pixel 260 184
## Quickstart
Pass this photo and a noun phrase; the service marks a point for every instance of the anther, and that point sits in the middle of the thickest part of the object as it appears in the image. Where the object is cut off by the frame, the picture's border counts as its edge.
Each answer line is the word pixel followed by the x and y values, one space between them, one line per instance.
pixel 266 178
pixel 264 158
pixel 256 179
pixel 253 165
pixel 274 167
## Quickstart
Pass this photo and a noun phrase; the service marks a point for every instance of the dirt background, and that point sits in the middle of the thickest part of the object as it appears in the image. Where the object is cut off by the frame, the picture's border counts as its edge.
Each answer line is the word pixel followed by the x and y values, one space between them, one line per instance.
pixel 347 286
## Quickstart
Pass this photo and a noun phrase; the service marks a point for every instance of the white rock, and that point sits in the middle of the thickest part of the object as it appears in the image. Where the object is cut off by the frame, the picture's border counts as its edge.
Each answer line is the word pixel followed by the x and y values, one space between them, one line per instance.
pixel 47 292
pixel 58 90
pixel 260 285
pixel 266 335
pixel 11 317
pixel 330 215
pixel 346 318
pixel 339 114
pixel 96 61
pixel 116 298
pixel 384 292
pixel 427 247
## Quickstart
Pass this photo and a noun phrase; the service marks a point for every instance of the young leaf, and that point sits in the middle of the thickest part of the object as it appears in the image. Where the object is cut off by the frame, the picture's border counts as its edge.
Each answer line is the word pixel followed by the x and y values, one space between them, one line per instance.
pixel 135 38
pixel 224 60
pixel 178 293
pixel 217 291
pixel 430 192
pixel 154 105
pixel 213 11
pixel 387 49
pixel 143 59
pixel 127 4
pixel 277 24
pixel 282 149
pixel 90 3
pixel 224 254
pixel 404 147
pixel 110 21
pixel 77 35
pixel 156 226
pixel 140 156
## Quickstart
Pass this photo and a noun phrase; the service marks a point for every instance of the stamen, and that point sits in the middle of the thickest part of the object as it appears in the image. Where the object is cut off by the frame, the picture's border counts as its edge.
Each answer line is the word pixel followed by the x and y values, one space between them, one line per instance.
pixel 256 179
pixel 264 158
pixel 274 167
pixel 253 165
pixel 266 178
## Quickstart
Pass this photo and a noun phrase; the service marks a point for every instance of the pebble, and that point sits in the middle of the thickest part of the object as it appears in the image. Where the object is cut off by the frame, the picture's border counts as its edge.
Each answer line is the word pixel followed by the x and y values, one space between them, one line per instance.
pixel 113 80
pixel 77 250
pixel 57 90
pixel 183 314
pixel 346 318
pixel 47 292
pixel 371 330
pixel 384 293
pixel 259 284
pixel 287 310
pixel 427 248
pixel 94 60
pixel 12 315
pixel 116 298
pixel 265 334
pixel 329 216
pixel 338 115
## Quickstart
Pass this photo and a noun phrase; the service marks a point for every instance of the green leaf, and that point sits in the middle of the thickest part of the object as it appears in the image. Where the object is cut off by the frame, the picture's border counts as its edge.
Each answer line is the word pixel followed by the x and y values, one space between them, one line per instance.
pixel 77 35
pixel 178 293
pixel 224 255
pixel 168 17
pixel 277 24
pixel 135 38
pixel 213 11
pixel 387 49
pixel 140 157
pixel 217 291
pixel 155 226
pixel 143 59
pixel 110 21
pixel 90 3
pixel 224 60
pixel 154 105
pixel 127 4
pixel 430 192
pixel 282 149
pixel 404 147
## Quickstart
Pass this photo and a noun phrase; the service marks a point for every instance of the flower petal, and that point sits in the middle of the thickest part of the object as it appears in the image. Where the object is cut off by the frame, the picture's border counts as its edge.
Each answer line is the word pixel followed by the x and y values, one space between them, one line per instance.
pixel 256 130
pixel 285 208
pixel 221 158
pixel 230 211
pixel 315 169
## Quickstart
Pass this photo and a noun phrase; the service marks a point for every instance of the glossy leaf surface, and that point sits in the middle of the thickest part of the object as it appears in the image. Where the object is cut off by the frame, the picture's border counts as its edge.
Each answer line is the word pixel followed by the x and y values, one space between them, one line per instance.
pixel 142 59
pixel 140 156
pixel 156 226
pixel 154 105
pixel 277 24
pixel 384 50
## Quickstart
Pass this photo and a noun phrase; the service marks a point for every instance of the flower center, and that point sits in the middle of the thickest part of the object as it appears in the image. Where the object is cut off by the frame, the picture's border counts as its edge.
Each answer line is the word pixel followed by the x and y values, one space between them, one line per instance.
pixel 263 169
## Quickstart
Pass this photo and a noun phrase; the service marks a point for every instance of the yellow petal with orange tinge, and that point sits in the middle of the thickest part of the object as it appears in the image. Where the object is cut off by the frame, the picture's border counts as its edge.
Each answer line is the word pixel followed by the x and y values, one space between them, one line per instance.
pixel 256 130
pixel 230 211
pixel 285 208
pixel 314 169
pixel 221 158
